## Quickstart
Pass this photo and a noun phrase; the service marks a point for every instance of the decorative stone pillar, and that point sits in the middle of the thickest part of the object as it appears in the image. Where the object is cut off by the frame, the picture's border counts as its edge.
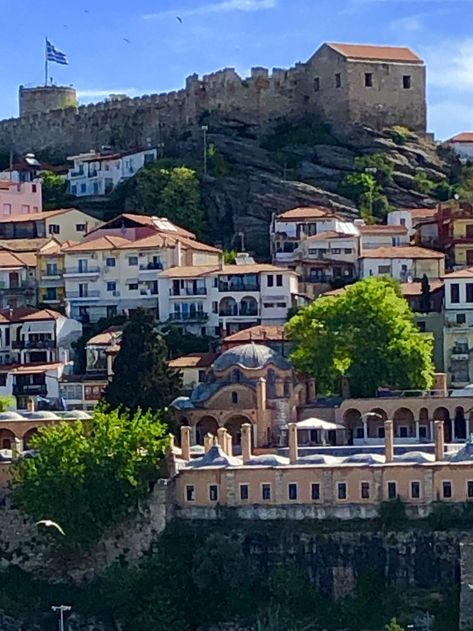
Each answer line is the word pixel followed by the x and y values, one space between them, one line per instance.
pixel 261 394
pixel 222 438
pixel 208 442
pixel 452 430
pixel 292 443
pixel 467 428
pixel 417 430
pixel 186 442
pixel 16 448
pixel 388 441
pixel 439 441
pixel 432 436
pixel 229 445
pixel 246 442
pixel 365 429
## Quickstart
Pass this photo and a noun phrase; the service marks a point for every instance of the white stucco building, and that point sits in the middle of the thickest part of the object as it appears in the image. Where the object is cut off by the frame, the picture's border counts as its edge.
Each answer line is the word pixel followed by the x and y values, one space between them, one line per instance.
pixel 402 263
pixel 462 144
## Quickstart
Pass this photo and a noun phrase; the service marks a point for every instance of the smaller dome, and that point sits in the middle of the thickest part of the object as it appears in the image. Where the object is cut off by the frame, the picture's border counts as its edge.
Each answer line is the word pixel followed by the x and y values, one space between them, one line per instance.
pixel 11 416
pixel 415 457
pixel 43 415
pixel 364 459
pixel 250 356
pixel 268 460
pixel 215 457
pixel 315 459
pixel 182 403
pixel 75 415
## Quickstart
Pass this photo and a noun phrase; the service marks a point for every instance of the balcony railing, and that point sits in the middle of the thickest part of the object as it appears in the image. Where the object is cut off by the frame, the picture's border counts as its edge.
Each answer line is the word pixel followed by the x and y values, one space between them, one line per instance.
pixel 90 294
pixel 90 269
pixel 189 291
pixel 199 316
pixel 151 266
pixel 33 344
pixel 229 286
pixel 30 388
pixel 235 313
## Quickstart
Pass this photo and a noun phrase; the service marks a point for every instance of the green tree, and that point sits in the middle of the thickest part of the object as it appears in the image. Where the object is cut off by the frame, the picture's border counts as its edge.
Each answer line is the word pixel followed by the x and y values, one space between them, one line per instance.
pixel 181 343
pixel 423 184
pixel 354 185
pixel 88 474
pixel 381 167
pixel 172 192
pixel 54 191
pixel 366 334
pixel 142 377
pixel 394 626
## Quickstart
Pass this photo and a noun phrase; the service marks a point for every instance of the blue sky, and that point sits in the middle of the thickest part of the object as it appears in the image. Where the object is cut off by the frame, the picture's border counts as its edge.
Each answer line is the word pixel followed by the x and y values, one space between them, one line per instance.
pixel 162 51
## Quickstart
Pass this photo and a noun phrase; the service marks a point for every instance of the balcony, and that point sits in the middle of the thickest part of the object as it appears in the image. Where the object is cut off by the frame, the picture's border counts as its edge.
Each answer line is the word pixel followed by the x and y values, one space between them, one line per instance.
pixel 238 313
pixel 151 267
pixel 237 287
pixel 33 344
pixel 90 295
pixel 198 316
pixel 76 173
pixel 72 272
pixel 188 291
pixel 24 287
pixel 39 389
pixel 460 352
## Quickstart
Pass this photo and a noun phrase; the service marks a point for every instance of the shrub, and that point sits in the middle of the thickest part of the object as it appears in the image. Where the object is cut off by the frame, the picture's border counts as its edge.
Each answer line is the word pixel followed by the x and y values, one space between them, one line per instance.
pixel 379 161
pixel 422 183
pixel 392 515
pixel 400 134
pixel 303 134
pixel 355 185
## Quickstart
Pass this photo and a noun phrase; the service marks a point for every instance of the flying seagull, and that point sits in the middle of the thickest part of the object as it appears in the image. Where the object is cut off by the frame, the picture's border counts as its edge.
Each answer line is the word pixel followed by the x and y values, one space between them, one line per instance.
pixel 179 19
pixel 125 39
pixel 50 524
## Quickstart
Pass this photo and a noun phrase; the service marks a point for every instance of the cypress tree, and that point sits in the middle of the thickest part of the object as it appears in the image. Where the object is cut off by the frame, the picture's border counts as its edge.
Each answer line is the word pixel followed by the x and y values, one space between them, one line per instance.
pixel 142 377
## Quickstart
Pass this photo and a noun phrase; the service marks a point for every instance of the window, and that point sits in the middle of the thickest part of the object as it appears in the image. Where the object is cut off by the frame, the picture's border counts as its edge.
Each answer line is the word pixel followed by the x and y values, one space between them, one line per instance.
pixel 132 286
pixel 244 491
pixel 368 79
pixel 446 489
pixel 381 432
pixel 51 293
pixel 365 490
pixel 469 292
pixel 469 488
pixel 315 491
pixel 34 188
pixel 292 491
pixel 234 397
pixel 54 229
pixel 51 269
pixel 392 490
pixel 415 490
pixel 403 431
pixel 338 80
pixel 348 250
pixel 461 318
pixel 202 374
pixel 336 251
pixel 454 292
pixel 421 326
pixel 215 307
pixel 111 286
pixel 270 280
pixel 7 209
pixel 110 262
pixel 406 82
pixel 316 84
pixel 213 493
pixel 384 269
pixel 83 188
pixel 25 209
pixel 278 280
pixel 74 190
pixel 80 227
pixel 342 490
pixel 132 261
pixel 190 493
pixel 266 491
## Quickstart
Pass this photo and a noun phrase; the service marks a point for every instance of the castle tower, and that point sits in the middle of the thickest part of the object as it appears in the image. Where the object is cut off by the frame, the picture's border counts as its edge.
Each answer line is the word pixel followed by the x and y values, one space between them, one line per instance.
pixel 45 98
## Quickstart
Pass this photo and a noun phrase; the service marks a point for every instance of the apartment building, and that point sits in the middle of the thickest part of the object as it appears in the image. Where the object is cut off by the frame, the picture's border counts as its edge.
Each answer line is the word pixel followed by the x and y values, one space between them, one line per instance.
pixel 96 173
pixel 221 300
pixel 381 236
pixel 116 268
pixel 402 263
pixel 65 225
pixel 458 329
pixel 17 279
pixel 19 198
pixel 35 348
pixel 50 273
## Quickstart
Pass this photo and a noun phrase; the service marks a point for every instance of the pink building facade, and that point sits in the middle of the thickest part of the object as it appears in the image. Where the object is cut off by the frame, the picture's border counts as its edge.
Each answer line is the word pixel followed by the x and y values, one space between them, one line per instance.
pixel 20 198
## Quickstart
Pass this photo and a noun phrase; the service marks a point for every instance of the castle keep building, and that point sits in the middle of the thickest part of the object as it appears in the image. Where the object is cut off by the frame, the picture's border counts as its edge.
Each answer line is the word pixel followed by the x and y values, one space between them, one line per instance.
pixel 341 84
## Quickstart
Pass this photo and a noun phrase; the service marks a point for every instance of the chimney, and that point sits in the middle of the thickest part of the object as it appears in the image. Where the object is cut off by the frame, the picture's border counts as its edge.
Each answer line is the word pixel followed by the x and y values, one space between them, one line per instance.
pixel 222 438
pixel 292 443
pixel 186 442
pixel 439 441
pixel 388 441
pixel 16 448
pixel 208 442
pixel 246 442
pixel 229 445
pixel 178 253
pixel 31 404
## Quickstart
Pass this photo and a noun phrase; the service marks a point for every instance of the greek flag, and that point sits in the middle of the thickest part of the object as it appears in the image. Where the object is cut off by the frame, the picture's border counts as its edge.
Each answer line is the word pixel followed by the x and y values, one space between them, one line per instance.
pixel 55 55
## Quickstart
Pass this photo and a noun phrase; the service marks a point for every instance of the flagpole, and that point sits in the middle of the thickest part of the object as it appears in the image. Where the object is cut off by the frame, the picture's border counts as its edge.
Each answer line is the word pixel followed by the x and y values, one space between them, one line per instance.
pixel 46 61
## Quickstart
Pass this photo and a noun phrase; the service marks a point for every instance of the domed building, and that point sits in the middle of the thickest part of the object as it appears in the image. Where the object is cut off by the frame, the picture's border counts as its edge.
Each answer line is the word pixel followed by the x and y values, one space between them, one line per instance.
pixel 246 384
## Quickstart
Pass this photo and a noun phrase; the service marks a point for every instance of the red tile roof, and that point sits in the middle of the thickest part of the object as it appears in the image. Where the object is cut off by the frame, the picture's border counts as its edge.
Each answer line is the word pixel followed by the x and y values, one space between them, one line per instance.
pixel 258 333
pixel 465 136
pixel 366 52
pixel 330 234
pixel 194 360
pixel 27 314
pixel 296 214
pixel 379 229
pixel 466 272
pixel 401 252
pixel 415 289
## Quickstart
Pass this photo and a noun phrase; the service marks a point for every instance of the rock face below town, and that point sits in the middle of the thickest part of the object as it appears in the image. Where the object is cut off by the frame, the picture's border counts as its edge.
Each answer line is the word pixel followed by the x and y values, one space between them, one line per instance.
pixel 270 174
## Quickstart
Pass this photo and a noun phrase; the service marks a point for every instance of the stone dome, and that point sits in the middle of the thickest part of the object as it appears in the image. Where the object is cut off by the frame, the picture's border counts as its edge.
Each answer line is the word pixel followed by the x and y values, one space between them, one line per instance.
pixel 43 415
pixel 74 415
pixel 251 356
pixel 11 416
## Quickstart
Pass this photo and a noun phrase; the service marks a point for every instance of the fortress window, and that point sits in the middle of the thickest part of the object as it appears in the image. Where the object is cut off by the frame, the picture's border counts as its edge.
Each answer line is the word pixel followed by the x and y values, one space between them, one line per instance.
pixel 392 490
pixel 190 493
pixel 213 493
pixel 415 490
pixel 338 80
pixel 342 490
pixel 469 488
pixel 368 79
pixel 244 494
pixel 447 489
pixel 365 490
pixel 406 82
pixel 292 491
pixel 234 397
pixel 316 84
pixel 315 491
pixel 266 491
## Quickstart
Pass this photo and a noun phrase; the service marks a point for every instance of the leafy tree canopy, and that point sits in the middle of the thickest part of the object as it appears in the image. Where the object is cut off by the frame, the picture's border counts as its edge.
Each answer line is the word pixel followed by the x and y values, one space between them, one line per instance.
pixel 142 377
pixel 366 334
pixel 88 474
pixel 379 165
pixel 182 343
pixel 54 191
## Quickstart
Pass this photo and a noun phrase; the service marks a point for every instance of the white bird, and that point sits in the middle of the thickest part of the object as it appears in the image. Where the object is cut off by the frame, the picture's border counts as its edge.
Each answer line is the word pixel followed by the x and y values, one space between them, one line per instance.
pixel 50 524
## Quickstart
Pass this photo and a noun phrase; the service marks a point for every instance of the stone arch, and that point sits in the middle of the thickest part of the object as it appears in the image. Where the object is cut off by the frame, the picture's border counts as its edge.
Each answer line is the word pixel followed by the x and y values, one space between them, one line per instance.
pixel 233 427
pixel 459 423
pixel 248 306
pixel 352 421
pixel 28 436
pixel 228 306
pixel 7 438
pixel 382 413
pixel 206 425
pixel 443 414
pixel 375 424
pixel 424 414
pixel 404 424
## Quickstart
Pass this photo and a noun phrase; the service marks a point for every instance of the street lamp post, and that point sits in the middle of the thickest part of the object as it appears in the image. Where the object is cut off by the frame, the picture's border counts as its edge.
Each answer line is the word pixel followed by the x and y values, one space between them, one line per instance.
pixel 205 129
pixel 61 609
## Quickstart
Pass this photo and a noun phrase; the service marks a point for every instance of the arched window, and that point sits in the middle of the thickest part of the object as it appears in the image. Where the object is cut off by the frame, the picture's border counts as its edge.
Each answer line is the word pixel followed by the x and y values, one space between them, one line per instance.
pixel 234 397
pixel 236 376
